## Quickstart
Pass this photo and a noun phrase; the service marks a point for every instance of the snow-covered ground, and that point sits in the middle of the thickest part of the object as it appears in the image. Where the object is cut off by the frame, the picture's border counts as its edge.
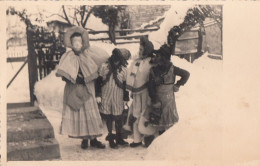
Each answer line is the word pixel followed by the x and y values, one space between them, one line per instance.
pixel 18 91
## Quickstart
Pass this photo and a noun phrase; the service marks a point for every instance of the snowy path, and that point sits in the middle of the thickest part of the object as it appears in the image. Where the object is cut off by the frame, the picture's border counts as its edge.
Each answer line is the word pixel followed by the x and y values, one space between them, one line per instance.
pixel 70 148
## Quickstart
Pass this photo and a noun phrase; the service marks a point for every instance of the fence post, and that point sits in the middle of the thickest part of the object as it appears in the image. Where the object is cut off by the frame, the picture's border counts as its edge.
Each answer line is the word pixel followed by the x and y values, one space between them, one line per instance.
pixel 32 65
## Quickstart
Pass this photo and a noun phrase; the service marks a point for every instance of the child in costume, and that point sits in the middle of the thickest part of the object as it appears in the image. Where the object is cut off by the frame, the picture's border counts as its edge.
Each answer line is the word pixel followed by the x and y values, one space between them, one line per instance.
pixel 111 89
pixel 79 68
pixel 161 88
pixel 137 81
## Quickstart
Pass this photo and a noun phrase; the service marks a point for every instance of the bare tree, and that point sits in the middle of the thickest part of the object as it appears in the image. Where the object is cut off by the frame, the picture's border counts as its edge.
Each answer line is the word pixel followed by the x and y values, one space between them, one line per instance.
pixel 21 14
pixel 77 15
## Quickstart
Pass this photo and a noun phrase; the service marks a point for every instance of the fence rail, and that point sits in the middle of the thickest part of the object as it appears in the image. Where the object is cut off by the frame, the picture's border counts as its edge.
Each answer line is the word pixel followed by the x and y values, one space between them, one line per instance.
pixel 16 59
pixel 126 30
pixel 126 37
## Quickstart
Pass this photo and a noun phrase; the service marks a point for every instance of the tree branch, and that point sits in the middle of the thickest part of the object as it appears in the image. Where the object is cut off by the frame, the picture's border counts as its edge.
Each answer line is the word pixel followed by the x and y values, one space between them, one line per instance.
pixel 65 14
pixel 22 14
pixel 75 15
pixel 88 15
pixel 82 14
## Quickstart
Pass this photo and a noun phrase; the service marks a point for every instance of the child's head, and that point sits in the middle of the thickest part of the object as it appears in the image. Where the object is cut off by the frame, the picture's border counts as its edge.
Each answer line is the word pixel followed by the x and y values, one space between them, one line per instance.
pixel 163 55
pixel 76 41
pixel 146 47
pixel 119 58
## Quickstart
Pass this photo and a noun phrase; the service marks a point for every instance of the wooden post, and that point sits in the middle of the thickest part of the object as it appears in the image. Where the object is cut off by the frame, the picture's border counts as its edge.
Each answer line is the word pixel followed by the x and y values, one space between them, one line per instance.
pixel 200 40
pixel 32 65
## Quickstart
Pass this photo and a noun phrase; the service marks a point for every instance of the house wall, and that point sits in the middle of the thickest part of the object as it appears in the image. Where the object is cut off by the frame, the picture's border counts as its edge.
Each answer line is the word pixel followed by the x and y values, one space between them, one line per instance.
pixel 140 14
pixel 214 39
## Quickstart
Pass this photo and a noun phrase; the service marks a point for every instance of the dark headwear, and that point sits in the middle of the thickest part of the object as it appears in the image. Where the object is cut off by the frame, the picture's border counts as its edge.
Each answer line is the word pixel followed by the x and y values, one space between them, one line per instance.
pixel 148 46
pixel 120 55
pixel 165 51
pixel 125 53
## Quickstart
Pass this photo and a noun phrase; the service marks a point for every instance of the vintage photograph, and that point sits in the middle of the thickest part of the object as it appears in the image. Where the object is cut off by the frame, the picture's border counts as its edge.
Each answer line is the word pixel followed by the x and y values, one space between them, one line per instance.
pixel 114 82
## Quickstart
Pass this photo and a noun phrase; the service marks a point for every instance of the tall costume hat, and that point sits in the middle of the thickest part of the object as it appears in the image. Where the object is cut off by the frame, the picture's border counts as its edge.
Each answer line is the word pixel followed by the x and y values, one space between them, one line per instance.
pixel 164 51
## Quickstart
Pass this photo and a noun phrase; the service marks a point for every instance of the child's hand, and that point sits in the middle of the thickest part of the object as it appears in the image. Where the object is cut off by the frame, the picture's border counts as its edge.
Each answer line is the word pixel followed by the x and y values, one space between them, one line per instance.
pixel 176 88
pixel 98 99
pixel 125 103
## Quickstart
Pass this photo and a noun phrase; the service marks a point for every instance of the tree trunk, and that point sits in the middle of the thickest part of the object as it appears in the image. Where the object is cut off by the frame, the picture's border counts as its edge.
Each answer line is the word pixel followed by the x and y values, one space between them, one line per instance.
pixel 111 33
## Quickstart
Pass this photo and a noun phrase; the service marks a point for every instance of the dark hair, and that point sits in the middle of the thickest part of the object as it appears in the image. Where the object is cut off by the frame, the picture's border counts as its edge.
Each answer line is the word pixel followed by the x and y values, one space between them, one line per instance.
pixel 148 46
pixel 117 56
pixel 76 34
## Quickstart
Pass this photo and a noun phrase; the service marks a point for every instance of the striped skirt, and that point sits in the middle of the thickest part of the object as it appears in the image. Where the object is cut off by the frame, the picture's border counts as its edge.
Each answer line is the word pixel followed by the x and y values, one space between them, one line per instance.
pixel 83 123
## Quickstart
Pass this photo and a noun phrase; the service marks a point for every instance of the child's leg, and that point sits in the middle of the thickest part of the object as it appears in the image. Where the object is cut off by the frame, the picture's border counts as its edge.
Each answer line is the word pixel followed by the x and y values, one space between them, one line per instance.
pixel 118 126
pixel 137 135
pixel 109 122
pixel 110 137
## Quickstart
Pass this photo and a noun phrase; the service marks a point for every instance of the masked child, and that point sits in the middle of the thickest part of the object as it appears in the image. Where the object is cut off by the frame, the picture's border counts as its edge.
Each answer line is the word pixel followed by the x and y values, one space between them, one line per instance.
pixel 79 68
pixel 111 87
pixel 161 88
pixel 137 81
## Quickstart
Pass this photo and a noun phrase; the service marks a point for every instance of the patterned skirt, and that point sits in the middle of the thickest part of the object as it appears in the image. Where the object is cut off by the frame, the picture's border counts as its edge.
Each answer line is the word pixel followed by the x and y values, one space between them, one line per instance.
pixel 169 111
pixel 82 123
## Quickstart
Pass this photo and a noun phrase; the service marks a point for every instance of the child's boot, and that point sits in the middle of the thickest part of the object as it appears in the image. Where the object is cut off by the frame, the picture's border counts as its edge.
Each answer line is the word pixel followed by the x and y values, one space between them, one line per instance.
pixel 111 139
pixel 119 136
pixel 84 144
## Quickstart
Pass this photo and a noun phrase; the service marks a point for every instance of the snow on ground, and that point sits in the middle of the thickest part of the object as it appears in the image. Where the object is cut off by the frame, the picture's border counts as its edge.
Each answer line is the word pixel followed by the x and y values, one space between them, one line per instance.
pixel 70 148
pixel 18 91
pixel 198 134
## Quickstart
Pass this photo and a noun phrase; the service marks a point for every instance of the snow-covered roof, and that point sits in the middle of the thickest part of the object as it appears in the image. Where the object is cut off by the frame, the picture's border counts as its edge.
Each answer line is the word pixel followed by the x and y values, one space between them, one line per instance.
pixel 55 18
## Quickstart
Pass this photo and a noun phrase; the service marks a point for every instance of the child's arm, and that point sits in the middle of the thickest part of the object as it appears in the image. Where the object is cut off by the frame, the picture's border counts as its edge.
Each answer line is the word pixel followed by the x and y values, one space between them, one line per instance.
pixel 183 74
pixel 152 87
pixel 125 92
pixel 65 79
pixel 99 81
pixel 98 85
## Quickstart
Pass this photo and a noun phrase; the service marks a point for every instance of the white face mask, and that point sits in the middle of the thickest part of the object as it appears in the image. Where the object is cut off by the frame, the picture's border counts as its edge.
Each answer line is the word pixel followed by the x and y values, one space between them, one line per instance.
pixel 77 43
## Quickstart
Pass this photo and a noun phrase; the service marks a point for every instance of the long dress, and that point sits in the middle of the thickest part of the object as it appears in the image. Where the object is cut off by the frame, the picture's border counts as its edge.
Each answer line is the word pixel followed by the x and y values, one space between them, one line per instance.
pixel 82 120
pixel 80 115
pixel 161 89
